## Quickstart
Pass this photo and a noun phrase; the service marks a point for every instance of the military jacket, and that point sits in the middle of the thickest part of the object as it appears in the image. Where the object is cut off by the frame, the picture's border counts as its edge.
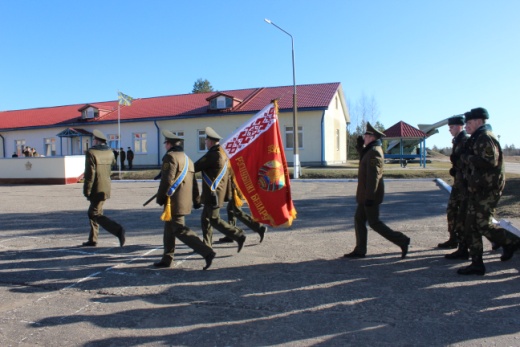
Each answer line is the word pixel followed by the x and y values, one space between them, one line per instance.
pixel 370 174
pixel 98 165
pixel 187 192
pixel 211 164
pixel 484 162
pixel 459 145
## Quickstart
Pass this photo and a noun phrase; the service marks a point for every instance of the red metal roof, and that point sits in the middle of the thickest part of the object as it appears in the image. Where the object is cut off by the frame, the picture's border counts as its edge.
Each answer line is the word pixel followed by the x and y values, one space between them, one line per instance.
pixel 254 99
pixel 403 130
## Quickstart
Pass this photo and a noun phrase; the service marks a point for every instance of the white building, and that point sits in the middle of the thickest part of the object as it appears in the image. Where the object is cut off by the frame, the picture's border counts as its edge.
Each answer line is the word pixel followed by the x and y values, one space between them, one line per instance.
pixel 67 130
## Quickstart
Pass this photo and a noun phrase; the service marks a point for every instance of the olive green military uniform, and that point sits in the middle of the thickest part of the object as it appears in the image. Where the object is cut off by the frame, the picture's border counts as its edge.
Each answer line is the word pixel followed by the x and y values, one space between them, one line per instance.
pixel 97 187
pixel 181 202
pixel 211 164
pixel 369 195
pixel 234 212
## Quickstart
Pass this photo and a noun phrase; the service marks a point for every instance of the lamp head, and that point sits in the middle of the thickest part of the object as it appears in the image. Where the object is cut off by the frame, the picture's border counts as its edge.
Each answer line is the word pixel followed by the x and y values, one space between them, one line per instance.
pixel 267 21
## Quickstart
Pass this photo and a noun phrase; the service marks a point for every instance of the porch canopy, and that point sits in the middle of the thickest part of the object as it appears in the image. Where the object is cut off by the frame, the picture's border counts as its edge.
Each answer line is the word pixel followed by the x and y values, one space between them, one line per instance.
pixel 74 133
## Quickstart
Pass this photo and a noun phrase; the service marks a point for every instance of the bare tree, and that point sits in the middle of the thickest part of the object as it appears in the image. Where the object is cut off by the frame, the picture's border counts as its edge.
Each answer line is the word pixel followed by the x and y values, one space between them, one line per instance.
pixel 364 110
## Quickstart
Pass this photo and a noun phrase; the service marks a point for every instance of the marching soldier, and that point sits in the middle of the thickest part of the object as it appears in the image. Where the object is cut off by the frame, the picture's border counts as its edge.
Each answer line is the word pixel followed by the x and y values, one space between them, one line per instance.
pixel 178 191
pixel 369 195
pixel 486 181
pixel 234 212
pixel 215 179
pixel 96 188
pixel 456 209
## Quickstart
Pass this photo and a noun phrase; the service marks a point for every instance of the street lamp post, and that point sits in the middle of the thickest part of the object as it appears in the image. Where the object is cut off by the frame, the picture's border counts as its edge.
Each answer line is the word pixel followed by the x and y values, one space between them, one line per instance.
pixel 296 163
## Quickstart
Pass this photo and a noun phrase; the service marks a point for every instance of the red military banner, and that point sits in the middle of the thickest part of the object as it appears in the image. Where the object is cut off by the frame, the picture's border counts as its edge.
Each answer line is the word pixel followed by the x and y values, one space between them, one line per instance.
pixel 256 155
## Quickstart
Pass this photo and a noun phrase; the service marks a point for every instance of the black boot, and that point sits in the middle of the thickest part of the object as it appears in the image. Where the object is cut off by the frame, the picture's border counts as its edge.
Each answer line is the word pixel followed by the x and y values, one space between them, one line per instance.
pixel 460 253
pixel 475 268
pixel 450 244
pixel 507 252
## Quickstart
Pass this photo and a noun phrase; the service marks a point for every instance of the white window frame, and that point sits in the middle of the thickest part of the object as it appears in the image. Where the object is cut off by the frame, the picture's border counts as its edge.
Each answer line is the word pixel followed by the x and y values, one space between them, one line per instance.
pixel 140 143
pixel 113 141
pixel 49 142
pixel 289 137
pixel 18 144
pixel 201 135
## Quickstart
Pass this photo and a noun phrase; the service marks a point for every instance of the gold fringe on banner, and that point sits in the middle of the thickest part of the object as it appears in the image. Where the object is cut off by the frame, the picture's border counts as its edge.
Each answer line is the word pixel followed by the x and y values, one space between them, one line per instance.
pixel 167 214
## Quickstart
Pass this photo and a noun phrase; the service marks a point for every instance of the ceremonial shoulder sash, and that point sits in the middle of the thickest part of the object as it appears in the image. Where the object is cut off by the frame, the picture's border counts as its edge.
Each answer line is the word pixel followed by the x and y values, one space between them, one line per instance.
pixel 179 178
pixel 213 185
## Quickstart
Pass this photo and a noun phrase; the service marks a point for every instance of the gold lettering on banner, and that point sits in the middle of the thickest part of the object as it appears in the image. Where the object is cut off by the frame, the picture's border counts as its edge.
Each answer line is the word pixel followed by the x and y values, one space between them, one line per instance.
pixel 260 206
pixel 242 169
pixel 273 149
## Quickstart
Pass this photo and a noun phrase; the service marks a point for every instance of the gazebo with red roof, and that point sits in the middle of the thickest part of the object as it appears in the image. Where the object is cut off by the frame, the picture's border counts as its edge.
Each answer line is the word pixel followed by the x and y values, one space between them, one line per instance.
pixel 408 138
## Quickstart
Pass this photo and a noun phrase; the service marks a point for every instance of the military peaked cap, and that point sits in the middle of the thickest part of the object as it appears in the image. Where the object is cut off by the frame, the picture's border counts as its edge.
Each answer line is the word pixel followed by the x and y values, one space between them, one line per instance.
pixel 371 131
pixel 212 134
pixel 169 136
pixel 99 135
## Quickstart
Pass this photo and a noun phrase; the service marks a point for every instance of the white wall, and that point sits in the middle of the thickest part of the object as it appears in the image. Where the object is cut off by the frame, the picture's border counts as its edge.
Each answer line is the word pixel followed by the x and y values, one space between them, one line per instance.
pixel 55 170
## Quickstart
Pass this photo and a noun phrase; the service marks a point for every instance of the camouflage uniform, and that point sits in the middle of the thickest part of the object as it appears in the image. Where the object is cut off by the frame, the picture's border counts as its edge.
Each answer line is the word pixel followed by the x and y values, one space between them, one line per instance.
pixel 455 210
pixel 485 178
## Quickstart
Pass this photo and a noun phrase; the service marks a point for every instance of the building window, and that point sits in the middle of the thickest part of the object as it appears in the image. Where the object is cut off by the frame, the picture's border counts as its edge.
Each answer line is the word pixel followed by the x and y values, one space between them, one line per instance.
pixel 140 144
pixel 178 133
pixel 202 140
pixel 113 141
pixel 49 147
pixel 90 112
pixel 20 146
pixel 289 139
pixel 337 139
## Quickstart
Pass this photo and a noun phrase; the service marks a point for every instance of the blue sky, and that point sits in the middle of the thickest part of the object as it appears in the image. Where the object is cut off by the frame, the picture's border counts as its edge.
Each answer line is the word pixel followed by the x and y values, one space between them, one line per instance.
pixel 421 60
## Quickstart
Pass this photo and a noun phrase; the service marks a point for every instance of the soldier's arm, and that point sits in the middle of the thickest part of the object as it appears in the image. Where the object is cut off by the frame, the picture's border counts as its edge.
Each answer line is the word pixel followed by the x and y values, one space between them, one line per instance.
pixel 90 173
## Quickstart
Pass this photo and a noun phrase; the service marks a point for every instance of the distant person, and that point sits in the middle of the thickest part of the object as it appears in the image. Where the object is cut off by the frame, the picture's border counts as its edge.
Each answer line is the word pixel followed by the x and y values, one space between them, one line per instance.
pixel 15 155
pixel 179 184
pixel 456 208
pixel 485 175
pixel 130 157
pixel 369 195
pixel 122 157
pixel 116 155
pixel 213 166
pixel 96 188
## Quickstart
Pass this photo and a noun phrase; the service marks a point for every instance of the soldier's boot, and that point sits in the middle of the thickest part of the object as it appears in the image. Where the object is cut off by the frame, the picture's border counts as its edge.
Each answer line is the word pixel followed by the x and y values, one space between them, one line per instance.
pixel 475 268
pixel 450 244
pixel 507 252
pixel 461 253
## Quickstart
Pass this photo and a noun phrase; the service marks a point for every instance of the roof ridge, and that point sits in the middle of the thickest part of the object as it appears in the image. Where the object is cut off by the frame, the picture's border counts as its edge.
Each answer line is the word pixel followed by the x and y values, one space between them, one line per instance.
pixel 249 98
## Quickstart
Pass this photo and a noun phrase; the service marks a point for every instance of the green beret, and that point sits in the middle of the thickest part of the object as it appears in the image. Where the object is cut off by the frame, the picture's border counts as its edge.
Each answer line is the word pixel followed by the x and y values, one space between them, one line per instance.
pixel 478 113
pixel 456 120
pixel 212 134
pixel 372 131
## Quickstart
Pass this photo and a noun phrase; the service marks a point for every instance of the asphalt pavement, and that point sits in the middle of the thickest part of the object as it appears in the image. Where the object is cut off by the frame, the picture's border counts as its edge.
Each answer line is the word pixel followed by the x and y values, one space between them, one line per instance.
pixel 294 289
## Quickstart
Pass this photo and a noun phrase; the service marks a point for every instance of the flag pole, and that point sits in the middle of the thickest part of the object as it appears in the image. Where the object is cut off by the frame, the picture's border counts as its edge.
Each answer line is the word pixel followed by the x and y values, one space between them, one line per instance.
pixel 118 134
